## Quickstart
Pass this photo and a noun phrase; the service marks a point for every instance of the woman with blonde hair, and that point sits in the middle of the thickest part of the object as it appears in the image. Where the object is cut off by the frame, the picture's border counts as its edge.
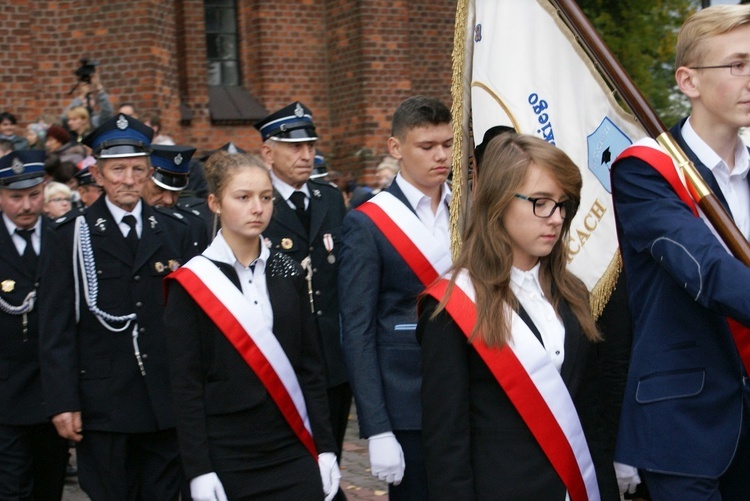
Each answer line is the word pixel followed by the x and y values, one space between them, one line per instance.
pixel 57 199
pixel 508 356
pixel 245 364
pixel 79 123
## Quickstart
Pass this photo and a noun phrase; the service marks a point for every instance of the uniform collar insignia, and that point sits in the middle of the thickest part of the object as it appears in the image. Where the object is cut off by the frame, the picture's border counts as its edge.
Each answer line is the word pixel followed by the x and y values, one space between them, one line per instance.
pixel 101 224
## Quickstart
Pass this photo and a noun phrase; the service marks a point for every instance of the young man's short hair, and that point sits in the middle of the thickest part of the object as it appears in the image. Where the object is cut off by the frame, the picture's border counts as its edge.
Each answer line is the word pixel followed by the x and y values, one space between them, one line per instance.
pixel 418 111
pixel 705 24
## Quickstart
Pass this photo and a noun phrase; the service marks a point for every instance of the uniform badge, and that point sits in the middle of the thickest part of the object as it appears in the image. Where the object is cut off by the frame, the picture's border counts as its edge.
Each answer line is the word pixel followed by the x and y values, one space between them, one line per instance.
pixel 122 122
pixel 177 215
pixel 299 112
pixel 173 264
pixel 101 224
pixel 159 267
pixel 152 222
pixel 316 193
pixel 8 285
pixel 17 166
pixel 178 159
pixel 286 243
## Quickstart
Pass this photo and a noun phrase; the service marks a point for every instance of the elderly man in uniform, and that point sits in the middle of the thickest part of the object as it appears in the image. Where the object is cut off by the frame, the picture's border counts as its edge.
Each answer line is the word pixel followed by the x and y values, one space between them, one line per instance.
pixel 171 175
pixel 32 456
pixel 102 345
pixel 306 224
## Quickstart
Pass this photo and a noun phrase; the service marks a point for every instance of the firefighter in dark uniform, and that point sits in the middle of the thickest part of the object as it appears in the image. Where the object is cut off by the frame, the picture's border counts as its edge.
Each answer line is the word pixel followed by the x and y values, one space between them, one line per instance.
pixel 32 456
pixel 306 225
pixel 102 347
pixel 171 165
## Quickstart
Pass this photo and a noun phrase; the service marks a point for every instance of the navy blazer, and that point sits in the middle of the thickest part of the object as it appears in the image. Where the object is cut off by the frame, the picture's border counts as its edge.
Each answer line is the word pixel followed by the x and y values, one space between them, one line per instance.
pixel 378 301
pixel 684 395
pixel 287 234
pixel 88 368
pixel 21 400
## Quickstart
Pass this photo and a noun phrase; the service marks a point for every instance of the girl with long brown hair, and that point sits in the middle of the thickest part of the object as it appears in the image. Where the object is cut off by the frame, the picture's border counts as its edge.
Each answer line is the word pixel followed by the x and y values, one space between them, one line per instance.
pixel 507 338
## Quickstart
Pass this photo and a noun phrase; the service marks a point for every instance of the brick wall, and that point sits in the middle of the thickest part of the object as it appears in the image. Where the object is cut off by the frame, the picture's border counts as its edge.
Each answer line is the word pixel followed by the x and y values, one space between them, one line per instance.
pixel 350 61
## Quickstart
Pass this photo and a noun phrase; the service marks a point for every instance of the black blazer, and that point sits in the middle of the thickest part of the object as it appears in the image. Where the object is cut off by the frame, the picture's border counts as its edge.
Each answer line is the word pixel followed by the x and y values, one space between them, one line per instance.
pixel 21 400
pixel 477 446
pixel 86 367
pixel 285 230
pixel 226 420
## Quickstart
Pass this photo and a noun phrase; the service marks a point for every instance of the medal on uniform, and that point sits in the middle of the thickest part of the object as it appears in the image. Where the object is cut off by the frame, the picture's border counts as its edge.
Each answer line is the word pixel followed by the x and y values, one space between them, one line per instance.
pixel 286 243
pixel 159 267
pixel 173 264
pixel 8 285
pixel 328 243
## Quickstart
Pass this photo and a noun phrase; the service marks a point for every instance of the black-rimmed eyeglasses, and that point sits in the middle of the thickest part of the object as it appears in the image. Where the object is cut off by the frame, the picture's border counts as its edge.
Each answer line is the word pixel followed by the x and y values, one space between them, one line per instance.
pixel 738 68
pixel 545 207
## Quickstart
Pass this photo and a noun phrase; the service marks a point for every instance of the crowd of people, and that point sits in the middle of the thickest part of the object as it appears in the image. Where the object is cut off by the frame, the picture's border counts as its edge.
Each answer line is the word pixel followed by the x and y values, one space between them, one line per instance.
pixel 198 330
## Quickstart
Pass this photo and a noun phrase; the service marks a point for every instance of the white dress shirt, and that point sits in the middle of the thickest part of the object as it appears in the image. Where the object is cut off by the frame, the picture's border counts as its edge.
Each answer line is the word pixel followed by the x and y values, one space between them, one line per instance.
pixel 436 222
pixel 18 240
pixel 733 185
pixel 525 285
pixel 286 191
pixel 252 278
pixel 119 213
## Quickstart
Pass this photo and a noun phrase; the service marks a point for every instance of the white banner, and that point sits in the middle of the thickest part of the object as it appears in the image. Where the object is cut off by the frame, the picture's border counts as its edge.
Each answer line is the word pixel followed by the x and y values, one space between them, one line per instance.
pixel 528 72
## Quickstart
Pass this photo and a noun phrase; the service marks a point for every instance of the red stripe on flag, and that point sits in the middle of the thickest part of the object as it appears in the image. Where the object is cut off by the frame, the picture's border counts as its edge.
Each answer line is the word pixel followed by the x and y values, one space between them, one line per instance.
pixel 246 347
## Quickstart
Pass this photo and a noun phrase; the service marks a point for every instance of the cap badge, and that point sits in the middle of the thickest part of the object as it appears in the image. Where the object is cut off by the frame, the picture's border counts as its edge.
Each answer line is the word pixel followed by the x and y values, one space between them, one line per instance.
pixel 298 111
pixel 178 159
pixel 122 122
pixel 17 166
pixel 232 149
pixel 286 243
pixel 8 285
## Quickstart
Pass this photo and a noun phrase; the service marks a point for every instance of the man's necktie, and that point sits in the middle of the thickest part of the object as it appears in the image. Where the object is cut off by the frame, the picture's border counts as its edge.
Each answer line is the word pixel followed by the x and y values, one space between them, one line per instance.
pixel 29 256
pixel 298 199
pixel 132 237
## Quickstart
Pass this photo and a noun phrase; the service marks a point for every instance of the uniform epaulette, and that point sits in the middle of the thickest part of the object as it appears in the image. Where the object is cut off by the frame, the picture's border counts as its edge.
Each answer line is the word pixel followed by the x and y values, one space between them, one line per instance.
pixel 68 217
pixel 172 212
pixel 281 265
pixel 324 184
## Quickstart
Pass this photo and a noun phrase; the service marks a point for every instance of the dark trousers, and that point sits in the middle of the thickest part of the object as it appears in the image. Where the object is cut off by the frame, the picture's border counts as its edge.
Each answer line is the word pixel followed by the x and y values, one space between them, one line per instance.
pixel 129 466
pixel 733 485
pixel 339 406
pixel 414 485
pixel 32 462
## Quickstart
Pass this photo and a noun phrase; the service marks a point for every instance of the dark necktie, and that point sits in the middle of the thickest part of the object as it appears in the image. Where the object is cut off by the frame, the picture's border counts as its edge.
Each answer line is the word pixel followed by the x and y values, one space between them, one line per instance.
pixel 29 256
pixel 298 199
pixel 132 237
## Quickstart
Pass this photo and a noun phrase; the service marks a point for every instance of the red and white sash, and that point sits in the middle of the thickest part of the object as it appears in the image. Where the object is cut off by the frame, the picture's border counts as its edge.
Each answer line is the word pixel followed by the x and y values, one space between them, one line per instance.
pixel 650 152
pixel 423 253
pixel 528 377
pixel 243 325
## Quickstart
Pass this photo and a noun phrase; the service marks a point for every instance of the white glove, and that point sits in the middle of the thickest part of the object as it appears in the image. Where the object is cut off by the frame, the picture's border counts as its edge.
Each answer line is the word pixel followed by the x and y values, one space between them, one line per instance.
pixel 386 458
pixel 627 478
pixel 329 474
pixel 207 487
